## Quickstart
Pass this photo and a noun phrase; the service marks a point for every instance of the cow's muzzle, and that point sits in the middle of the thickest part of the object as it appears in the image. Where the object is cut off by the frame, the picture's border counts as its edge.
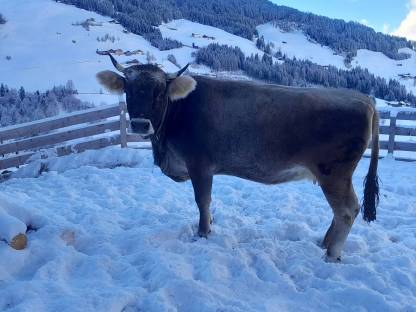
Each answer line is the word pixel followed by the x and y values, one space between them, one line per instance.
pixel 142 126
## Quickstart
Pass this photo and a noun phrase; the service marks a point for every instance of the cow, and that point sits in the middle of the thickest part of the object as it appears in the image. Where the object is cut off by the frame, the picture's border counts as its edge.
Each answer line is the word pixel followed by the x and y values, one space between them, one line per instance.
pixel 201 126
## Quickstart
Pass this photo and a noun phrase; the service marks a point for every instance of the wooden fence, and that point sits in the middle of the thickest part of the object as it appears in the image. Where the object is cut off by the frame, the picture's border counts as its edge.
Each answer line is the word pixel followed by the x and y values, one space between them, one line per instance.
pixel 20 142
pixel 393 130
pixel 51 135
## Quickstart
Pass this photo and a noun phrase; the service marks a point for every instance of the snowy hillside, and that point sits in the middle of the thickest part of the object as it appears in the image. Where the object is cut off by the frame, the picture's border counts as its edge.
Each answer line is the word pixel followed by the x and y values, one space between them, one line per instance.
pixel 124 239
pixel 296 44
pixel 44 43
pixel 49 50
pixel 380 65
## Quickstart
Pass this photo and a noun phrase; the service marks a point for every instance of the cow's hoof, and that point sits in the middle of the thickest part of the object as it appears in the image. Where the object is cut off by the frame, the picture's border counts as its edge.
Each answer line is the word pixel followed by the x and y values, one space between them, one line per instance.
pixel 204 233
pixel 330 259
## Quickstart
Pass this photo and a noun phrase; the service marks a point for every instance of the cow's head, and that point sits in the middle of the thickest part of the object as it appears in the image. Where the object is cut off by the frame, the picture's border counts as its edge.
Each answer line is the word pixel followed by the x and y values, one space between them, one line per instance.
pixel 148 91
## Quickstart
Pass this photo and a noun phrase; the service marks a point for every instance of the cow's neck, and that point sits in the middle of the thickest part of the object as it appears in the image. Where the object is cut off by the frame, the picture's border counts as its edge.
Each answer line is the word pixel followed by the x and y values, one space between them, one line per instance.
pixel 158 140
pixel 161 128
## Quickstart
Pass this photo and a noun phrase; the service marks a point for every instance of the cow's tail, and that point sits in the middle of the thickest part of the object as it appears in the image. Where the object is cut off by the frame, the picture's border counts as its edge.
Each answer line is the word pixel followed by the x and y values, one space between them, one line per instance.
pixel 371 188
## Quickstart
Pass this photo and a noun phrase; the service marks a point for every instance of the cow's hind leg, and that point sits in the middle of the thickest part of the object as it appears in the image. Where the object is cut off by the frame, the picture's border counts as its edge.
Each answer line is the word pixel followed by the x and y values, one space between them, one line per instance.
pixel 344 203
pixel 325 241
pixel 202 184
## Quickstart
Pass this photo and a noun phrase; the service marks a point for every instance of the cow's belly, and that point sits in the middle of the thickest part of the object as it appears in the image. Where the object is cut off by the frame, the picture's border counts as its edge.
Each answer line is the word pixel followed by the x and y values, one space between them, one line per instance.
pixel 273 175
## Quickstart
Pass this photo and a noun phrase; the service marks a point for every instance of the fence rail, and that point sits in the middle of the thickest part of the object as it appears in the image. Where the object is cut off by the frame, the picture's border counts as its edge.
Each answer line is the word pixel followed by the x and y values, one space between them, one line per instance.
pixel 393 130
pixel 19 143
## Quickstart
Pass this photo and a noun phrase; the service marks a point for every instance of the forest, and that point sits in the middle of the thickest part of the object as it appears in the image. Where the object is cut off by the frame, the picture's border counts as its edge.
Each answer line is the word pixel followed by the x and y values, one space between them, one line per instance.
pixel 18 105
pixel 241 17
pixel 293 72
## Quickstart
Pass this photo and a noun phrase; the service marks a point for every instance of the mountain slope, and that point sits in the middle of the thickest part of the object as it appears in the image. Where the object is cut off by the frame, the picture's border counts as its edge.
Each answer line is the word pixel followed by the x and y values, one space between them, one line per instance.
pixel 59 43
pixel 241 17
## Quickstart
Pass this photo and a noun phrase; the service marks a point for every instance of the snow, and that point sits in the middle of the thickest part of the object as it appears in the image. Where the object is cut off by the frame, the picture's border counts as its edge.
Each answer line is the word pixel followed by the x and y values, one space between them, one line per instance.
pixel 114 234
pixel 390 69
pixel 39 37
pixel 182 31
pixel 10 227
pixel 297 45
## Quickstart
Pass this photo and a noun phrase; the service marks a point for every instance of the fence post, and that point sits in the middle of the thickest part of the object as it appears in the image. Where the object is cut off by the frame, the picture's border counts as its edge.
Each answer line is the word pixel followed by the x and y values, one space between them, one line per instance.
pixel 123 124
pixel 392 133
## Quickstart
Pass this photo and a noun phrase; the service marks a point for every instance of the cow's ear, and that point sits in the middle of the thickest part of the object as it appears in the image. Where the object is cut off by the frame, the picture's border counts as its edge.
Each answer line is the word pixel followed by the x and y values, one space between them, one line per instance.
pixel 111 81
pixel 180 87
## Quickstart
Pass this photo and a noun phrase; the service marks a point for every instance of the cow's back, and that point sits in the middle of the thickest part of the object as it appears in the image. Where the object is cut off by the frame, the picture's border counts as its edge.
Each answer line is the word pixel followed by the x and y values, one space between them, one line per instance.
pixel 257 130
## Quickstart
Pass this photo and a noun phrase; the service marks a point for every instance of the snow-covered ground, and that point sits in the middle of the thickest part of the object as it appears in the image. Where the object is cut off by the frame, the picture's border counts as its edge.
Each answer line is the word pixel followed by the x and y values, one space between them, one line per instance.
pixel 124 239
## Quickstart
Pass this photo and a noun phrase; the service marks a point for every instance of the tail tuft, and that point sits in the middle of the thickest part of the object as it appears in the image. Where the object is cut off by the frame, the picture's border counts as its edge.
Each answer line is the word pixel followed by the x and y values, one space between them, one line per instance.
pixel 371 198
pixel 371 188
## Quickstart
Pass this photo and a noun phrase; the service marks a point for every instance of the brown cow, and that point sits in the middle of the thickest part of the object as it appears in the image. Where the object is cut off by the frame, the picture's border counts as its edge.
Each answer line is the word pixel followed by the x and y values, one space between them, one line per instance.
pixel 260 132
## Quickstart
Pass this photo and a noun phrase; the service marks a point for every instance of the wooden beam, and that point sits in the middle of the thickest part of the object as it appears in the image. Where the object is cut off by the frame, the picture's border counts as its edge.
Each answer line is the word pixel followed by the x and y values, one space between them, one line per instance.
pixel 59 137
pixel 406 115
pixel 392 134
pixel 384 145
pixel 14 161
pixel 47 124
pixel 406 131
pixel 384 114
pixel 405 146
pixel 88 145
pixel 384 130
pixel 123 124
pixel 22 159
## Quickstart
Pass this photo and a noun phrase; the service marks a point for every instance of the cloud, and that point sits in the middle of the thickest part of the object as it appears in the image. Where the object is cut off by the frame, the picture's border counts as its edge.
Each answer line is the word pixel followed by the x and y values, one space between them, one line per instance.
pixel 407 27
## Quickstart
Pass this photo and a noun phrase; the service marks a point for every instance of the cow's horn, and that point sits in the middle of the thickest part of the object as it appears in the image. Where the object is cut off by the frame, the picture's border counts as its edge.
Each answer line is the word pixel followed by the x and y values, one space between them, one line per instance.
pixel 116 64
pixel 178 73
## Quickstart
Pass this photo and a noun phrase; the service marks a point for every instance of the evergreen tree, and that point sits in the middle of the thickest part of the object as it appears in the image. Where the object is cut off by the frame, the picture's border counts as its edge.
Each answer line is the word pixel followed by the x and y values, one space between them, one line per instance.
pixel 241 17
pixel 301 73
pixel 22 93
pixel 17 106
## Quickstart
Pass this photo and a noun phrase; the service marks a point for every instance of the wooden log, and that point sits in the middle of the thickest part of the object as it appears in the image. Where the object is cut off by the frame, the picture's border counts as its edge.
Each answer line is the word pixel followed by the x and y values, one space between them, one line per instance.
pixel 12 230
pixel 19 242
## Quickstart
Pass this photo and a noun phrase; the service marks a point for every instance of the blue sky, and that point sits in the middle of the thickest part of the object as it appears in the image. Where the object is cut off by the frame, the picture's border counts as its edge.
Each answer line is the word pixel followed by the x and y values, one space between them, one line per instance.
pixel 382 15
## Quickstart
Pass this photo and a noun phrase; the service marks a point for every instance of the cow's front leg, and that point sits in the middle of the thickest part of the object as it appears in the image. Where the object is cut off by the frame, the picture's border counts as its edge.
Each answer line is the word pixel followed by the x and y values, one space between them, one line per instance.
pixel 202 183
